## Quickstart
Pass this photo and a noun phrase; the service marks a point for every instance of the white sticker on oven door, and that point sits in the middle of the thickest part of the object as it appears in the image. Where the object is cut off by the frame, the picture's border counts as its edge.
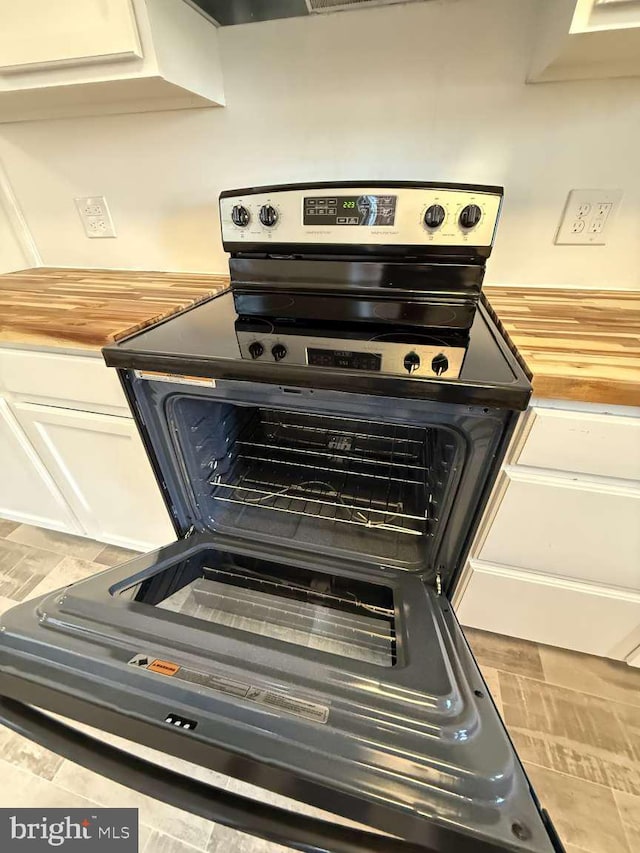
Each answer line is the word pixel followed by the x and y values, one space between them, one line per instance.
pixel 175 378
pixel 276 700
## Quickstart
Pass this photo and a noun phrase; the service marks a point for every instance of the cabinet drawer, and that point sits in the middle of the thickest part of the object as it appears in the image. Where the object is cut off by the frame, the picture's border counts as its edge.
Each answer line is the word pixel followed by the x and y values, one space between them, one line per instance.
pixel 562 440
pixel 567 528
pixel 71 381
pixel 548 610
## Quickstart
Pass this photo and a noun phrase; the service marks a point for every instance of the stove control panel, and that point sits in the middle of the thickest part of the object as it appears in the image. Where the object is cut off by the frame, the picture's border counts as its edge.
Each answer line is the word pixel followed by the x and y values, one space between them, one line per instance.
pixel 398 359
pixel 403 215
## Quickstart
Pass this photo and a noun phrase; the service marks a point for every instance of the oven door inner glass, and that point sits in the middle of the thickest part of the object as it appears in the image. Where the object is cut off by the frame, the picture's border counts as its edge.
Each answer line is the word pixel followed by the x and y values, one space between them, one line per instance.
pixel 329 613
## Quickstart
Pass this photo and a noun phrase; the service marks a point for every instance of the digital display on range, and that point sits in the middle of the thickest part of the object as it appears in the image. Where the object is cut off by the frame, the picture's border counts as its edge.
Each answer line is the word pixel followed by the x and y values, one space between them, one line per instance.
pixel 344 358
pixel 350 210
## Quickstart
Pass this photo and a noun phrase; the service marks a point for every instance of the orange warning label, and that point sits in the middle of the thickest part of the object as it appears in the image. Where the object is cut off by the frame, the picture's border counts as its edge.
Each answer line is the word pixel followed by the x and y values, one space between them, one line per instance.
pixel 164 667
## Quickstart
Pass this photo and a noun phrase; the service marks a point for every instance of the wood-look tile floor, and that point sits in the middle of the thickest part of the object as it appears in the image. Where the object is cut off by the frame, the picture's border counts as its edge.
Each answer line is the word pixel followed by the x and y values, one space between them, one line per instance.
pixel 574 719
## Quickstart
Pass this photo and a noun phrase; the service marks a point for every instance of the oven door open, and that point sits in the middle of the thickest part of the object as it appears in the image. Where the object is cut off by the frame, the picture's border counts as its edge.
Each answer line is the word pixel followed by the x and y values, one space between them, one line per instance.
pixel 348 688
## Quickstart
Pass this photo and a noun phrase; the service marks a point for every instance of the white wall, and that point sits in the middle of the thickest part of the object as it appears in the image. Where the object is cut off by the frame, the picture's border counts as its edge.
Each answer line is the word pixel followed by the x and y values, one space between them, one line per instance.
pixel 444 99
pixel 11 257
pixel 12 254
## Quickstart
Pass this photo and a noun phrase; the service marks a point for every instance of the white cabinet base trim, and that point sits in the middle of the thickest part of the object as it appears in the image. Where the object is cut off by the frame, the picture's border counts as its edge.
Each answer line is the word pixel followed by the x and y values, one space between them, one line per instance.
pixel 555 611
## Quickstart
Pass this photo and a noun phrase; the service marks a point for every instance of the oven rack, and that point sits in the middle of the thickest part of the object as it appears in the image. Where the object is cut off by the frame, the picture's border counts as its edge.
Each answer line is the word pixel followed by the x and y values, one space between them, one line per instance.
pixel 324 493
pixel 319 462
pixel 258 581
pixel 366 441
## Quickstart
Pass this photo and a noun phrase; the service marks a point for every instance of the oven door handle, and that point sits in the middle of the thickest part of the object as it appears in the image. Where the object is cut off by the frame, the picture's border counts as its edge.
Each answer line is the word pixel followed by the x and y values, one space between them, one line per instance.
pixel 299 831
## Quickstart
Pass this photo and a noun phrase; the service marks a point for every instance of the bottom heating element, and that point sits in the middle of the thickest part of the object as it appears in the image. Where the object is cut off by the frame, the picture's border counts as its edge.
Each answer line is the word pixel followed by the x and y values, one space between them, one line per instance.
pixel 339 624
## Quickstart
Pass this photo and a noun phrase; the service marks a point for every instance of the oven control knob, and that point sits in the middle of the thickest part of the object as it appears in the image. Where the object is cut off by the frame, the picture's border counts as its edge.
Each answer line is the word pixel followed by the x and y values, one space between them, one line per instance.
pixel 278 351
pixel 256 349
pixel 240 215
pixel 268 215
pixel 411 362
pixel 434 216
pixel 470 216
pixel 439 364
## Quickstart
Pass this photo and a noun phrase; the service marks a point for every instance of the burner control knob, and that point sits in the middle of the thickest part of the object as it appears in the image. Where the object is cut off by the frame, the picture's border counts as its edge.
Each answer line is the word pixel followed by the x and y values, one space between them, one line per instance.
pixel 434 216
pixel 278 351
pixel 439 364
pixel 411 362
pixel 240 215
pixel 268 215
pixel 256 349
pixel 470 216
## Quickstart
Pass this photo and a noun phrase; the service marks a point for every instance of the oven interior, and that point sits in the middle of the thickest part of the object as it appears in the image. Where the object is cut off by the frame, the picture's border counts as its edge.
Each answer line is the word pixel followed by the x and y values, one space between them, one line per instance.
pixel 342 485
pixel 331 613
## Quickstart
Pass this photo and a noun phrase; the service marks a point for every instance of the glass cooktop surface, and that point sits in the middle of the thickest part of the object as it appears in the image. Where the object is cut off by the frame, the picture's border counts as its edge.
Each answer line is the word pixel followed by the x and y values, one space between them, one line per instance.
pixel 210 339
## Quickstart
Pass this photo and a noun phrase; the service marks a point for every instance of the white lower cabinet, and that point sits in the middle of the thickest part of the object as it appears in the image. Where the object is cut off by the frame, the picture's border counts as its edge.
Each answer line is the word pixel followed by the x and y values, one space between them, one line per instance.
pixel 567 527
pixel 581 442
pixel 100 466
pixel 27 491
pixel 557 555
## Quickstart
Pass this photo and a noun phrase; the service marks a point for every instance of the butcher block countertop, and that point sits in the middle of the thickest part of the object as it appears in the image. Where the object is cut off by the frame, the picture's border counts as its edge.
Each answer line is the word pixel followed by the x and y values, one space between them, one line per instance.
pixel 91 308
pixel 581 345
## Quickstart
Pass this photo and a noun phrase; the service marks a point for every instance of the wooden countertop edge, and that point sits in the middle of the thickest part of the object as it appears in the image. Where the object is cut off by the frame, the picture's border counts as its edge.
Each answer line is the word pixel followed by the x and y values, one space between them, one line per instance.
pixel 597 391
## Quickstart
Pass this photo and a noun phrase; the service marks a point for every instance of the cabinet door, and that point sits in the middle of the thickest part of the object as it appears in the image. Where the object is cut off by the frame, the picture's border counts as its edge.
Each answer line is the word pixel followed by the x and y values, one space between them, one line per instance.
pixel 582 442
pixel 102 469
pixel 27 492
pixel 567 527
pixel 38 34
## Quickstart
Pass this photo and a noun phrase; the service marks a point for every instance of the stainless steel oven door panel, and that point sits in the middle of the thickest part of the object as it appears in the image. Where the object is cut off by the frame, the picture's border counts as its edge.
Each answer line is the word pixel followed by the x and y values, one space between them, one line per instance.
pixel 414 748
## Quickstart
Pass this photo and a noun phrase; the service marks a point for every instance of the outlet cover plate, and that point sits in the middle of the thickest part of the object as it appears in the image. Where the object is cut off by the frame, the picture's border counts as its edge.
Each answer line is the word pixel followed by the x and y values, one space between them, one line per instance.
pixel 95 216
pixel 587 217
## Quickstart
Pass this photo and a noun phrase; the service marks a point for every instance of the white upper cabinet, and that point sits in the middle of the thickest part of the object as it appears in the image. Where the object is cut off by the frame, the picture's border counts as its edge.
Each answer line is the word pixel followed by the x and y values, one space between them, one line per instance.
pixel 586 40
pixel 88 57
pixel 38 34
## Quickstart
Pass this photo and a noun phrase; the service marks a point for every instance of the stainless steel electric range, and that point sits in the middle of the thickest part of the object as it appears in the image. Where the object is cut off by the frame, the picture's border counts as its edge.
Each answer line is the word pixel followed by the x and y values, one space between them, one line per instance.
pixel 325 434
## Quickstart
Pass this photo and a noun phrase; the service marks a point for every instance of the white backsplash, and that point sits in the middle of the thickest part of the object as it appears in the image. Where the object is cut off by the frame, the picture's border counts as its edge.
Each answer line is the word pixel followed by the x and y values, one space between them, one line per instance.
pixel 427 91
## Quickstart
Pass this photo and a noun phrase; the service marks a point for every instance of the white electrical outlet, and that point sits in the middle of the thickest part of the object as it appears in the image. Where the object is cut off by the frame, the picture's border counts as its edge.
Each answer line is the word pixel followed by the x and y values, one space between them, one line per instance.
pixel 587 217
pixel 95 216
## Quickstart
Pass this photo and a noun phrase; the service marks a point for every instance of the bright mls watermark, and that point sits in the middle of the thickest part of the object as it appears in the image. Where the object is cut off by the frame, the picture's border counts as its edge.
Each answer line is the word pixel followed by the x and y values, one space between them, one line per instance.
pixel 73 830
